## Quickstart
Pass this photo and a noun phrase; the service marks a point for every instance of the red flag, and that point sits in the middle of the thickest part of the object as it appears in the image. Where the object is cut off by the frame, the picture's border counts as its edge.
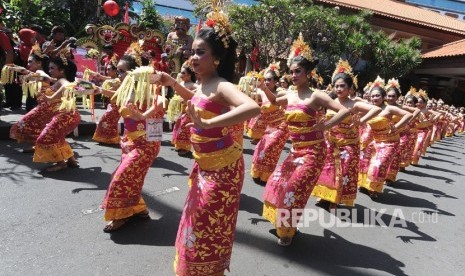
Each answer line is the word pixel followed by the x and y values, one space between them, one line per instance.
pixel 126 14
pixel 199 26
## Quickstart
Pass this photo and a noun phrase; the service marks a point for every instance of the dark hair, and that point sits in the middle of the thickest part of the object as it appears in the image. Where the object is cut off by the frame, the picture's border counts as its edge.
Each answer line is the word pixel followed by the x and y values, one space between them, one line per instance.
pixel 273 75
pixel 398 94
pixel 227 56
pixel 345 77
pixel 414 99
pixel 190 72
pixel 286 80
pixel 38 29
pixel 44 60
pixel 380 90
pixel 130 60
pixel 58 29
pixel 70 68
pixel 305 63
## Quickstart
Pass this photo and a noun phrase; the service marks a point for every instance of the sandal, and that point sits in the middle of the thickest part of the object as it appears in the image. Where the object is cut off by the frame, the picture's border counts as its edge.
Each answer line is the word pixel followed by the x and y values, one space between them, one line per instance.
pixel 373 195
pixel 142 215
pixel 284 241
pixel 28 150
pixel 115 225
pixel 72 163
pixel 57 167
pixel 183 152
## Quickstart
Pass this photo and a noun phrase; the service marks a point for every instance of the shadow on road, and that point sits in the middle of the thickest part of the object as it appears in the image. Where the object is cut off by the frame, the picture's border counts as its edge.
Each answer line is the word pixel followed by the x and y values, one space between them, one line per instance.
pixel 432 158
pixel 432 176
pixel 161 162
pixel 403 184
pixel 251 205
pixel 330 254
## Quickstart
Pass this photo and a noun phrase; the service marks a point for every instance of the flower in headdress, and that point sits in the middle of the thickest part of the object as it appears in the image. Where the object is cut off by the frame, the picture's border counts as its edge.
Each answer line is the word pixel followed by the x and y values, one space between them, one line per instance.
pixel 272 67
pixel 218 20
pixel 210 23
pixel 344 67
pixel 393 83
pixel 379 82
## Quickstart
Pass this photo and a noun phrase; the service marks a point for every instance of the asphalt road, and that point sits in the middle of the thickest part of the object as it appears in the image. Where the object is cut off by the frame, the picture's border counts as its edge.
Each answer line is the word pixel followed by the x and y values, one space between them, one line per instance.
pixel 51 224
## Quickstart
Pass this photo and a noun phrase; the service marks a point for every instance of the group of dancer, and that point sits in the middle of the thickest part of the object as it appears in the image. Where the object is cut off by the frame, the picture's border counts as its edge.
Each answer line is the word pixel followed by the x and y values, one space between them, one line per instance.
pixel 340 143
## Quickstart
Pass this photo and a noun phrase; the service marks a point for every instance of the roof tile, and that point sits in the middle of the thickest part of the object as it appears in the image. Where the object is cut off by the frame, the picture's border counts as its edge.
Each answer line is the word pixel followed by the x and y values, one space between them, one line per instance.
pixel 404 12
pixel 456 48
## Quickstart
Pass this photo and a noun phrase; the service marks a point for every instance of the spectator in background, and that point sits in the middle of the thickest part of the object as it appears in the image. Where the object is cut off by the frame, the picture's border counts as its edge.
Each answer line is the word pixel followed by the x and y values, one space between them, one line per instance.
pixel 6 51
pixel 41 37
pixel 27 38
pixel 163 65
pixel 13 91
pixel 57 43
pixel 107 55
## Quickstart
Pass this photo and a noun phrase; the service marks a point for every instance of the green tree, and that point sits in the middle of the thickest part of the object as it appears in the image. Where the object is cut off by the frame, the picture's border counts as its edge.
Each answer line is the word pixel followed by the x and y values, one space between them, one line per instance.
pixel 273 24
pixel 74 15
pixel 150 17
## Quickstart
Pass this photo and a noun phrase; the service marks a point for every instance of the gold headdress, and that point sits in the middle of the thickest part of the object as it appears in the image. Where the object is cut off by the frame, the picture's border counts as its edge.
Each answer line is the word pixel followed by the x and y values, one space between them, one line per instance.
pixel 422 93
pixel 219 21
pixel 300 48
pixel 315 76
pixel 114 60
pixel 413 92
pixel 343 66
pixel 367 87
pixel 379 82
pixel 393 83
pixel 273 67
pixel 135 50
pixel 62 54
pixel 37 51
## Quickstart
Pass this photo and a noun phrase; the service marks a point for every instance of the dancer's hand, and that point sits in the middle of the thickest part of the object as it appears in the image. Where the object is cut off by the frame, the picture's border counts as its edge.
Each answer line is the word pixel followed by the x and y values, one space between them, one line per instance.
pixel 197 121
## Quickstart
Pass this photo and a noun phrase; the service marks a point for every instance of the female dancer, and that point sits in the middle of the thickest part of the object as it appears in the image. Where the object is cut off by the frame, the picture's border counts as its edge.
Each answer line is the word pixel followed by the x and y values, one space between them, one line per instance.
pixel 292 182
pixel 123 199
pixel 386 139
pixel 392 95
pixel 206 230
pixel 28 128
pixel 426 119
pixel 268 149
pixel 51 145
pixel 181 133
pixel 338 180
pixel 107 127
pixel 411 133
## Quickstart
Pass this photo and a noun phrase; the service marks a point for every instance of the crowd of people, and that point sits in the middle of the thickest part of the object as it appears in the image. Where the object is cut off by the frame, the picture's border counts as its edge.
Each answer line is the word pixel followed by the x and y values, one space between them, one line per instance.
pixel 366 141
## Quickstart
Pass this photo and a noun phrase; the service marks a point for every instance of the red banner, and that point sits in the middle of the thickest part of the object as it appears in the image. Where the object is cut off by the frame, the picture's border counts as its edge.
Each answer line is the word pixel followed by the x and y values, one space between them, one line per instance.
pixel 82 62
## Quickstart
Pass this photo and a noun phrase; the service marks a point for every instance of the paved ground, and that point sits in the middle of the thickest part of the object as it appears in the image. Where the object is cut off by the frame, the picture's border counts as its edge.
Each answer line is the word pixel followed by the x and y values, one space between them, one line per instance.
pixel 51 223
